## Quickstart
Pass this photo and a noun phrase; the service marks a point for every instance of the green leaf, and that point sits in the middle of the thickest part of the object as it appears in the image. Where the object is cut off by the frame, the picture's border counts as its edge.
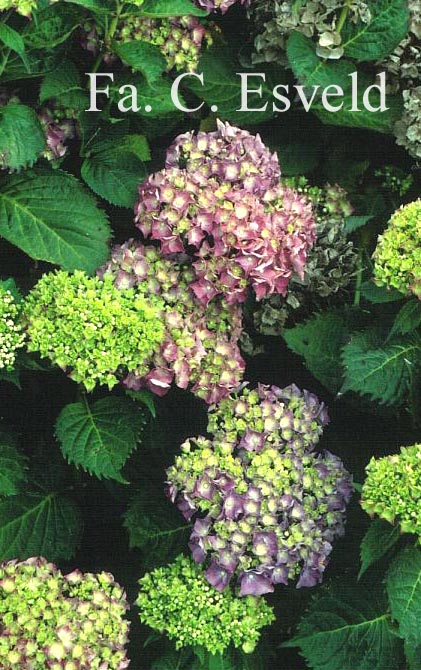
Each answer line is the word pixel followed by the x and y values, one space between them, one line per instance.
pixel 163 8
pixel 64 86
pixel 380 294
pixel 21 137
pixel 38 525
pixel 408 319
pixel 155 526
pixel 311 70
pixel 377 38
pixel 413 657
pixel 99 438
pixel 222 87
pixel 377 541
pixel 381 122
pixel 98 6
pixel 12 467
pixel 348 628
pixel 142 57
pixel 403 585
pixel 320 340
pixel 52 26
pixel 12 39
pixel 353 223
pixel 383 371
pixel 157 95
pixel 115 176
pixel 174 660
pixel 145 397
pixel 49 215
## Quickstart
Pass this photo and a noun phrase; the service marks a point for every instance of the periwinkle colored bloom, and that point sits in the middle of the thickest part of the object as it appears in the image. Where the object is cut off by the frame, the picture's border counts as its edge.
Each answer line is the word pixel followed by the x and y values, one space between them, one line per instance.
pixel 199 349
pixel 397 258
pixel 392 489
pixel 63 622
pixel 285 504
pixel 178 600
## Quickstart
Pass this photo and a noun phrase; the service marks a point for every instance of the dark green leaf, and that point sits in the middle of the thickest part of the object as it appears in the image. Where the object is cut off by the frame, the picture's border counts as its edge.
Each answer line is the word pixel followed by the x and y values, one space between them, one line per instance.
pixel 155 526
pixel 52 26
pixel 380 294
pixel 143 57
pixel 320 340
pixel 348 628
pixel 64 86
pixel 403 584
pixel 99 438
pixel 145 397
pixel 114 175
pixel 408 319
pixel 311 70
pixel 21 137
pixel 51 217
pixel 377 541
pixel 381 122
pixel 38 525
pixel 377 38
pixel 163 8
pixel 12 467
pixel 222 87
pixel 354 222
pixel 12 39
pixel 380 370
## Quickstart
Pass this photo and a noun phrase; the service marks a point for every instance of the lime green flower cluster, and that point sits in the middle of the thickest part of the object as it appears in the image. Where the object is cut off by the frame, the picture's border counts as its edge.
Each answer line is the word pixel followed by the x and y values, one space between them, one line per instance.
pixel 24 7
pixel 11 335
pixel 392 489
pixel 397 258
pixel 91 328
pixel 177 599
pixel 60 622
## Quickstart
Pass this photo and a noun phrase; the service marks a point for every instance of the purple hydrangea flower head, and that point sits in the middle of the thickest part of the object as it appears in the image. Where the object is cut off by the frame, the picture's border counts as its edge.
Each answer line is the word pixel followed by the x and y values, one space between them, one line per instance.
pixel 285 503
pixel 200 347
pixel 221 5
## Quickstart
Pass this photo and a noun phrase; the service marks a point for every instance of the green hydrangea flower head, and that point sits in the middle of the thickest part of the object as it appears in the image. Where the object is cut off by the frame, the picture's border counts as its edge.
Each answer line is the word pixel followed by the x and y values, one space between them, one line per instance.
pixel 24 7
pixel 92 329
pixel 61 622
pixel 397 258
pixel 11 334
pixel 177 599
pixel 392 489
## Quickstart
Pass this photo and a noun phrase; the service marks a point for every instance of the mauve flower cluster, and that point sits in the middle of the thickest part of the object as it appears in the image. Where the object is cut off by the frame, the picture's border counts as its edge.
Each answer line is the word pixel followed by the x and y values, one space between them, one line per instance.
pixel 219 200
pixel 221 5
pixel 266 507
pixel 200 344
pixel 58 131
pixel 51 621
pixel 179 38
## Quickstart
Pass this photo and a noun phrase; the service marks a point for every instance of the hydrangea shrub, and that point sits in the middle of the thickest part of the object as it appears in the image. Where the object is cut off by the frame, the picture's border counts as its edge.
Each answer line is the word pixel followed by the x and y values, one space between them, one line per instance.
pixel 12 337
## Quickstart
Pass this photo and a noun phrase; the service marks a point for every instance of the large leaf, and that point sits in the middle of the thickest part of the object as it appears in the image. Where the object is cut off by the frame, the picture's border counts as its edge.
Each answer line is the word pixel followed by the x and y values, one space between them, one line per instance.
pixel 12 39
pixel 142 57
pixel 21 137
pixel 348 628
pixel 320 340
pixel 380 294
pixel 38 525
pixel 52 26
pixel 12 467
pixel 64 86
pixel 100 438
pixel 408 319
pixel 378 37
pixel 51 218
pixel 222 87
pixel 311 70
pixel 381 122
pixel 377 541
pixel 163 8
pixel 403 584
pixel 380 370
pixel 115 175
pixel 155 525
